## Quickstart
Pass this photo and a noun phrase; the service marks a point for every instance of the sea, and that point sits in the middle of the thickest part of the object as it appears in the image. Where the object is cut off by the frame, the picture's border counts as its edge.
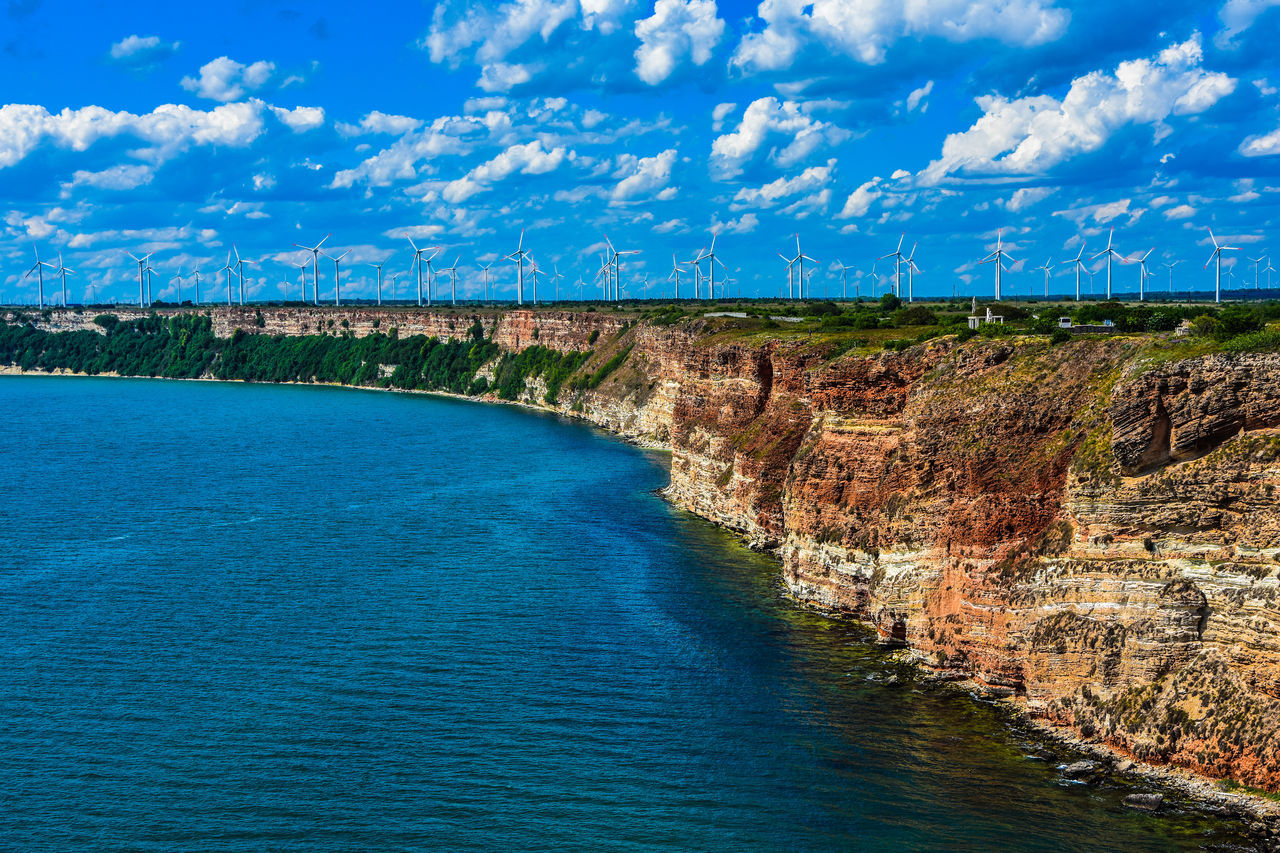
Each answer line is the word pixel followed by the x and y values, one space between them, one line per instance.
pixel 241 617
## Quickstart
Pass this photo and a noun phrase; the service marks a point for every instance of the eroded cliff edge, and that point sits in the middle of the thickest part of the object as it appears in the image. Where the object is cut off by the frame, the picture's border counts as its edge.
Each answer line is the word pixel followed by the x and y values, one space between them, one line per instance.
pixel 1090 529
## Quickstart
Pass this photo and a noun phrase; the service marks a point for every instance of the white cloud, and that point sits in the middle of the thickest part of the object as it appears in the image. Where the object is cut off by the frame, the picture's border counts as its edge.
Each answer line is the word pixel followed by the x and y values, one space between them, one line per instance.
pixel 865 29
pixel 648 175
pixel 811 179
pixel 124 177
pixel 1033 134
pixel 1182 211
pixel 1027 196
pixel 766 117
pixel 719 114
pixel 224 79
pixel 1238 15
pixel 527 159
pixel 400 160
pixel 860 200
pixel 914 99
pixel 141 50
pixel 169 128
pixel 489 33
pixel 379 122
pixel 676 29
pixel 1266 145
pixel 744 224
pixel 300 119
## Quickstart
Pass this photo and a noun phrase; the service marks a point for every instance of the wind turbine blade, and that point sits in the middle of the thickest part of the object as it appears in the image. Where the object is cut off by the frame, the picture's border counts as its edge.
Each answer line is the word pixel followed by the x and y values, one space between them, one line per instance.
pixel 321 243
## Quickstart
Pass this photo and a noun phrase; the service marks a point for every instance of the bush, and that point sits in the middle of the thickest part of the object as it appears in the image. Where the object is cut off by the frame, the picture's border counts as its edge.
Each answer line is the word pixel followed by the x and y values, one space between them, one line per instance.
pixel 1059 336
pixel 889 303
pixel 1205 326
pixel 594 336
pixel 916 315
pixel 1266 340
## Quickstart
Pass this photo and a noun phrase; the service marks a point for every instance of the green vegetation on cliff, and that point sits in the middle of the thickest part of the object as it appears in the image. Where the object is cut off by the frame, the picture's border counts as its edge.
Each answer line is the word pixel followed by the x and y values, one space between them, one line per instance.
pixel 185 347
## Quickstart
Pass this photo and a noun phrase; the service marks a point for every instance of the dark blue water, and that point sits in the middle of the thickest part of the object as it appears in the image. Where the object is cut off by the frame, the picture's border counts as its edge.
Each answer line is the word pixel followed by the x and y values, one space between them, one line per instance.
pixel 277 618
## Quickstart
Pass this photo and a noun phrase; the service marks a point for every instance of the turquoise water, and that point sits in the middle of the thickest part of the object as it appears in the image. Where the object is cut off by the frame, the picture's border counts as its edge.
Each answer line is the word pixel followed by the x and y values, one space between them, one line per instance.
pixel 245 617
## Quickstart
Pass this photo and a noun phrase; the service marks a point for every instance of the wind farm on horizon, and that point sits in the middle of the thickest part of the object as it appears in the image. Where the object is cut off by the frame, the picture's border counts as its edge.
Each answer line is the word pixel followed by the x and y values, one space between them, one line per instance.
pixel 608 284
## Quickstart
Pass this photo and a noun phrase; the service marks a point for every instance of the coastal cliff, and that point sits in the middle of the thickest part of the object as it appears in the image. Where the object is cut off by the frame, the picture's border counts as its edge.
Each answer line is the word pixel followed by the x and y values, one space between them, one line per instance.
pixel 1089 529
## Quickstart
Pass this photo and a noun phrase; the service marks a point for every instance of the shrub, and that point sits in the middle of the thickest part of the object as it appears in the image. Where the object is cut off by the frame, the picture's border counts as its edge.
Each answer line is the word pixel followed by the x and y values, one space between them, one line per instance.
pixel 889 302
pixel 916 315
pixel 1059 336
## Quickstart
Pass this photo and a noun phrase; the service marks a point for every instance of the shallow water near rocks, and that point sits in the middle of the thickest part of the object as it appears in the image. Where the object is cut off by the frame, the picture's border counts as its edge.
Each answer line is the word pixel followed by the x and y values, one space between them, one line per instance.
pixel 242 617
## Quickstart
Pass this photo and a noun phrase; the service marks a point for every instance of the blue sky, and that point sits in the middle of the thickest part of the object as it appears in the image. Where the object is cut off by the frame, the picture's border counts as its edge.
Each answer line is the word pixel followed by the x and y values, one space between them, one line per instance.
pixel 184 128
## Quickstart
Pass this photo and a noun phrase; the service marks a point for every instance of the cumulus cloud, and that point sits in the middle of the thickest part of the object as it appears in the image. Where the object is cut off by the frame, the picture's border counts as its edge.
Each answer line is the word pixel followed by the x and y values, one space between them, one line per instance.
pixel 1031 135
pixel 300 119
pixel 1238 15
pixel 1027 196
pixel 810 180
pixel 719 114
pixel 676 29
pixel 123 177
pixel 444 136
pixel 864 30
pixel 224 79
pixel 380 122
pixel 1182 211
pixel 141 51
pixel 647 177
pixel 767 117
pixel 489 34
pixel 527 159
pixel 918 95
pixel 744 224
pixel 860 200
pixel 168 128
pixel 1265 145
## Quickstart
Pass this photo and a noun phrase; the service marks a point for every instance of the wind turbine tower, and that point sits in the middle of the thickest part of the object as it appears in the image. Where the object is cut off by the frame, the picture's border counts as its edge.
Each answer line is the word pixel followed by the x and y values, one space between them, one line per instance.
pixel 337 277
pixel 1218 249
pixel 1048 265
pixel 64 272
pixel 417 260
pixel 998 257
pixel 898 258
pixel 315 268
pixel 142 265
pixel 518 257
pixel 1078 264
pixel 378 267
pixel 712 260
pixel 1109 253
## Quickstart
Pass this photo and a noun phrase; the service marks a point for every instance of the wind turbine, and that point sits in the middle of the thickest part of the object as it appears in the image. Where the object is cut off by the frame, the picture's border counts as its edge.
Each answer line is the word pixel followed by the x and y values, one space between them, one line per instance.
pixel 302 266
pixel 533 271
pixel 675 274
pixel 617 264
pixel 64 272
pixel 1078 264
pixel 337 277
pixel 453 280
pixel 998 257
pixel 518 257
pixel 417 260
pixel 431 274
pixel 791 276
pixel 378 267
pixel 697 271
pixel 485 269
pixel 1143 274
pixel 315 268
pixel 844 279
pixel 227 268
pixel 178 278
pixel 240 262
pixel 801 257
pixel 1269 270
pixel 1170 266
pixel 912 269
pixel 1256 262
pixel 712 260
pixel 1109 253
pixel 142 265
pixel 898 258
pixel 556 280
pixel 1217 256
pixel 1048 265
pixel 395 276
pixel 196 276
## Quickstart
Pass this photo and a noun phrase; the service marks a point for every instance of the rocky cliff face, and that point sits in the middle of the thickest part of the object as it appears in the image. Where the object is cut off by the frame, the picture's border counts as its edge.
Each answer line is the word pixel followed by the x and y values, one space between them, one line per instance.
pixel 1086 529
pixel 1083 531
